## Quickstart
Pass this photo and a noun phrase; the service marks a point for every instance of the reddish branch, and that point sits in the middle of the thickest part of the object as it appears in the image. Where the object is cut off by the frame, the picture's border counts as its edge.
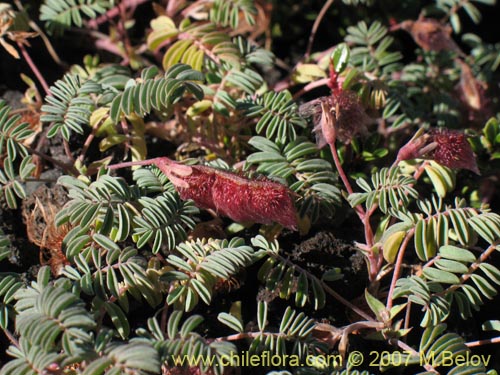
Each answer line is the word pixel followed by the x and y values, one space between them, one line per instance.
pixel 127 4
pixel 33 67
pixel 314 29
pixel 397 267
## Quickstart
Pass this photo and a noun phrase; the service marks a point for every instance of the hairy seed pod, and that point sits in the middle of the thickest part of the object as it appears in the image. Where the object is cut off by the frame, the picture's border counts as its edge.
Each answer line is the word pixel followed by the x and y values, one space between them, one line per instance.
pixel 240 198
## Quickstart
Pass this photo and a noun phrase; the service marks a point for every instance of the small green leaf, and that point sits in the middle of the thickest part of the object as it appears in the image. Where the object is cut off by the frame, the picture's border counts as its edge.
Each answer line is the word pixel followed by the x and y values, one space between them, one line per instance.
pixel 395 310
pixel 391 246
pixel 340 57
pixel 491 325
pixel 118 318
pixel 457 253
pixel 376 306
pixel 262 315
pixel 441 276
pixel 231 321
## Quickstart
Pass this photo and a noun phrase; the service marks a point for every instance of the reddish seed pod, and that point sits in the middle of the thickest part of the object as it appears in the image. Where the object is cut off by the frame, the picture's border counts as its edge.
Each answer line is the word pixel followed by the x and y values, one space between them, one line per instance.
pixel 239 198
pixel 198 187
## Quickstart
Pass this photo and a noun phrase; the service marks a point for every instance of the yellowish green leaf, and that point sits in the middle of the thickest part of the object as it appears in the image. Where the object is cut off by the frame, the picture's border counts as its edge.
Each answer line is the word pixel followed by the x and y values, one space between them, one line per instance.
pixel 391 246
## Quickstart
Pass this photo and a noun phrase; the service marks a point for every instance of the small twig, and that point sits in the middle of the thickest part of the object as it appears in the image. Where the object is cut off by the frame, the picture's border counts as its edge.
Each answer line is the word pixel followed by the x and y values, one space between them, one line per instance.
pixel 38 180
pixel 88 142
pixel 11 338
pixel 173 6
pixel 66 167
pixel 329 132
pixel 314 29
pixel 186 12
pixel 106 44
pixel 408 348
pixel 473 267
pixel 243 335
pixel 346 330
pixel 34 68
pixel 356 326
pixel 407 316
pixel 453 10
pixel 368 227
pixel 419 171
pixel 309 87
pixel 164 313
pixel 209 53
pixel 124 126
pixel 345 302
pixel 114 12
pixel 384 273
pixel 122 30
pixel 329 290
pixel 494 340
pixel 360 211
pixel 67 151
pixel 431 262
pixel 45 39
pixel 163 319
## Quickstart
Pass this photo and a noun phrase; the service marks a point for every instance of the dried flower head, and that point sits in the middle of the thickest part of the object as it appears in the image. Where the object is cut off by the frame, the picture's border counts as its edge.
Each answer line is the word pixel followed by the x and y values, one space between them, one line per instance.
pixel 336 117
pixel 7 17
pixel 430 35
pixel 242 199
pixel 447 147
pixel 351 118
pixel 39 212
pixel 470 88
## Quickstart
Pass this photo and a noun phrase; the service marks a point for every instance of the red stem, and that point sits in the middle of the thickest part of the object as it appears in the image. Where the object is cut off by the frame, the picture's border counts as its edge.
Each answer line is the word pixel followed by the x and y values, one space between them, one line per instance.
pixel 67 151
pixel 314 29
pixel 70 168
pixel 133 163
pixel 329 290
pixel 34 68
pixel 88 142
pixel 173 6
pixel 494 340
pixel 114 12
pixel 473 267
pixel 122 30
pixel 397 267
pixel 345 180
pixel 408 348
pixel 308 87
pixel 11 338
pixel 373 261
